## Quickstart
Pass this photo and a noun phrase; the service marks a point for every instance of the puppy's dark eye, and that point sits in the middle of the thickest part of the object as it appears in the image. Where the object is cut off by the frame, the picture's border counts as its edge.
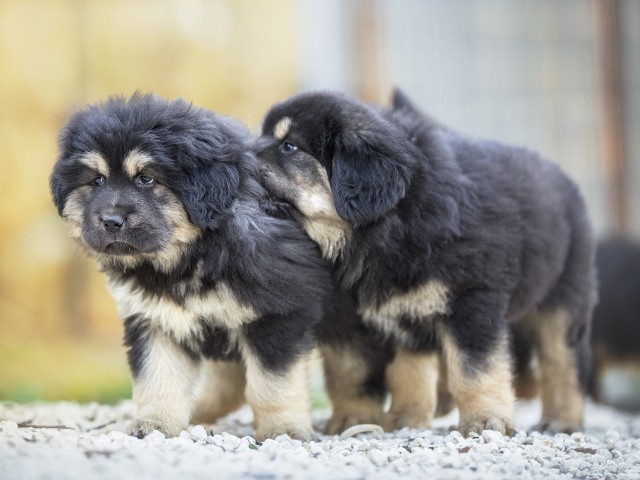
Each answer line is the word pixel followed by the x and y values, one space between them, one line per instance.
pixel 99 180
pixel 288 147
pixel 144 181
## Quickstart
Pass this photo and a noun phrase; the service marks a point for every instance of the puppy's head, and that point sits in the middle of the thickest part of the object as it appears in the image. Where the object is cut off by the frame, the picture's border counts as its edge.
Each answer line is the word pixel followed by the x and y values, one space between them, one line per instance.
pixel 140 178
pixel 328 154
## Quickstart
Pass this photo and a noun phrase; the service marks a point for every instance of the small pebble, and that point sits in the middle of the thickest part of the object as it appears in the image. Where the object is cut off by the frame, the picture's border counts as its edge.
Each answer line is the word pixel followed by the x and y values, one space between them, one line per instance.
pixel 492 436
pixel 198 433
pixel 377 457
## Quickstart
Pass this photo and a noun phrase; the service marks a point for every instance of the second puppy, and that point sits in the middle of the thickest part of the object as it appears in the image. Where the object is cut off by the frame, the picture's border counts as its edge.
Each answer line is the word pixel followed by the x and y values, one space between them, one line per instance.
pixel 444 241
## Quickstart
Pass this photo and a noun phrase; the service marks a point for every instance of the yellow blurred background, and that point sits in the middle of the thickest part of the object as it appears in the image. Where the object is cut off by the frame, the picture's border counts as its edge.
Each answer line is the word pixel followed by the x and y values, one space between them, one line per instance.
pixel 59 332
pixel 561 77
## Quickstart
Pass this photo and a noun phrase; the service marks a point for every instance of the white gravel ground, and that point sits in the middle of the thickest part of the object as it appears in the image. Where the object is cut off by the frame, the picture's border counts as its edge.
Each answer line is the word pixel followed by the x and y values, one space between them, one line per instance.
pixel 70 441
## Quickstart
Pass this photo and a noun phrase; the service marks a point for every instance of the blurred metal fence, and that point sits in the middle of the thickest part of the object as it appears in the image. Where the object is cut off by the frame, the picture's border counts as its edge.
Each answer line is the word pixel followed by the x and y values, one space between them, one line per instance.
pixel 558 76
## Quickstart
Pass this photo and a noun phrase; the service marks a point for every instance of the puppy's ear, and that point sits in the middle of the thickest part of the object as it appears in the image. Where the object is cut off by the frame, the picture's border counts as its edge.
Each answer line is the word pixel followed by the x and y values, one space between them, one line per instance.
pixel 400 100
pixel 371 170
pixel 66 172
pixel 209 156
pixel 57 184
pixel 208 193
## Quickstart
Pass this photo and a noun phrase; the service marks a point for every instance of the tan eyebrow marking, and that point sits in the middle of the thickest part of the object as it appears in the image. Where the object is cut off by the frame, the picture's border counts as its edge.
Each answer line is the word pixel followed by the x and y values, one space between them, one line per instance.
pixel 96 162
pixel 135 162
pixel 282 128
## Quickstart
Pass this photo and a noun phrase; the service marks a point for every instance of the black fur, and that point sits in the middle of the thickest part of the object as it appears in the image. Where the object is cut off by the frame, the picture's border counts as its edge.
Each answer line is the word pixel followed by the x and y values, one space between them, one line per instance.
pixel 505 230
pixel 136 333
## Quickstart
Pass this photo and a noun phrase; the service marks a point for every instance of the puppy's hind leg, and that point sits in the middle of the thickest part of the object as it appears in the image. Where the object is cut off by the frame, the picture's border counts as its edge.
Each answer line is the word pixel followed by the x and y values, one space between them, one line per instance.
pixel 221 391
pixel 560 363
pixel 413 381
pixel 355 385
pixel 561 332
pixel 280 400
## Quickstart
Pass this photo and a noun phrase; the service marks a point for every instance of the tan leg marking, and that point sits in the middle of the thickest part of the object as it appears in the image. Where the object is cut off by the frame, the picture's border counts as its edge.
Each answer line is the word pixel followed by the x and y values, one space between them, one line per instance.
pixel 163 390
pixel 280 403
pixel 412 379
pixel 221 391
pixel 527 384
pixel 562 397
pixel 485 399
pixel 446 403
pixel 345 374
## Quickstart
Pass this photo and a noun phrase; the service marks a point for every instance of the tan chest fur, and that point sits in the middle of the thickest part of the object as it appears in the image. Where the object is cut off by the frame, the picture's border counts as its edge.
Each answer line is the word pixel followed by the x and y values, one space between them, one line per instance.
pixel 218 307
pixel 420 304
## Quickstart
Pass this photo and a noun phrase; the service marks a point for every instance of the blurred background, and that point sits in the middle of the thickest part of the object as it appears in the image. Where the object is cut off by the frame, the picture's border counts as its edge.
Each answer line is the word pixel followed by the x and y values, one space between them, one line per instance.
pixel 558 76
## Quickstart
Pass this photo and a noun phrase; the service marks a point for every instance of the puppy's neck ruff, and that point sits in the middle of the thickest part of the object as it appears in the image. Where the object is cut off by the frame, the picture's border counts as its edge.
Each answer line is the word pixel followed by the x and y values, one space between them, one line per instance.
pixel 332 236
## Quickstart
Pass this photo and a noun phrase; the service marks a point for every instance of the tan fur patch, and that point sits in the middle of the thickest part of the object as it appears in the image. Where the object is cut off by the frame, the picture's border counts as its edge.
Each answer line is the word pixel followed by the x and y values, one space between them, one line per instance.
pixel 322 222
pixel 184 233
pixel 446 403
pixel 163 390
pixel 183 322
pixel 135 162
pixel 96 162
pixel 562 398
pixel 419 303
pixel 73 211
pixel 345 374
pixel 485 399
pixel 280 403
pixel 282 128
pixel 221 390
pixel 412 379
pixel 176 216
pixel 526 384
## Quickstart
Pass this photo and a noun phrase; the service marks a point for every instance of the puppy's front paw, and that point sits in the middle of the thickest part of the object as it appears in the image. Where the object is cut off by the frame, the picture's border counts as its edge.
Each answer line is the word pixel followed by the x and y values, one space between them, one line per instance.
pixel 558 426
pixel 297 432
pixel 477 424
pixel 142 427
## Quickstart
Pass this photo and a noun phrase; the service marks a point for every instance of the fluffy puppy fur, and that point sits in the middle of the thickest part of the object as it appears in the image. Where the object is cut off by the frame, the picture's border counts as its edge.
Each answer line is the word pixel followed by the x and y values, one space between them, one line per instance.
pixel 445 242
pixel 165 197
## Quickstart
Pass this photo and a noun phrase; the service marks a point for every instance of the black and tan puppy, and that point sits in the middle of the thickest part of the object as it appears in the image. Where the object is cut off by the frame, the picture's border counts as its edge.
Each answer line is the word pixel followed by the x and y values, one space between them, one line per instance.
pixel 444 241
pixel 165 197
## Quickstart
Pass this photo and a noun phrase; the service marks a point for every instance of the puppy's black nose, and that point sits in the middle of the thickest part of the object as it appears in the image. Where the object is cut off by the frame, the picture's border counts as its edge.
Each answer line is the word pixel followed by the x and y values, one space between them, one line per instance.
pixel 112 222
